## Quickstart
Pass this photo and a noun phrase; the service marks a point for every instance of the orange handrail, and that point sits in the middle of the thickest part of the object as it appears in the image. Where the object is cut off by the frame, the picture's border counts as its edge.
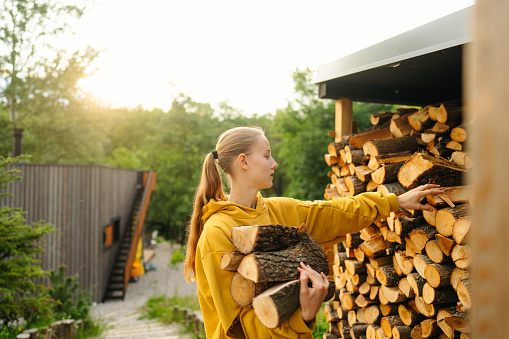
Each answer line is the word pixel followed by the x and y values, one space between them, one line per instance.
pixel 149 185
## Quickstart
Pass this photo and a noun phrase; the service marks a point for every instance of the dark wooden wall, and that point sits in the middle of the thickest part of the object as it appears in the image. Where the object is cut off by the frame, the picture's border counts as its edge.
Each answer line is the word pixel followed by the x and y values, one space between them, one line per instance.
pixel 80 200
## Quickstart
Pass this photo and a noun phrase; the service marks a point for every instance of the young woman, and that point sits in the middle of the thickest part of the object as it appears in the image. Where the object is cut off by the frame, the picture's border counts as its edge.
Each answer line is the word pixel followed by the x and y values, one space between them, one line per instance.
pixel 244 154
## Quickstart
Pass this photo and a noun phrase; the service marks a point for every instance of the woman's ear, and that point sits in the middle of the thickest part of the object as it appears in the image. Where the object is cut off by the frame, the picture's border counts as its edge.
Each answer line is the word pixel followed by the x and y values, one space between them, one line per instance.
pixel 242 161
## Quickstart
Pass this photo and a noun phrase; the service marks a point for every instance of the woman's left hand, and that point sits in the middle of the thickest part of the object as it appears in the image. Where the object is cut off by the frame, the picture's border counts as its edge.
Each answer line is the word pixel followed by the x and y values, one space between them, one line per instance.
pixel 412 199
pixel 311 298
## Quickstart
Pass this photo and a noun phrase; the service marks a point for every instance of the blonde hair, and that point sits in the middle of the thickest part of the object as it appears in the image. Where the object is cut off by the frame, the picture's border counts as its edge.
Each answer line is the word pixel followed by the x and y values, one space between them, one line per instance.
pixel 229 145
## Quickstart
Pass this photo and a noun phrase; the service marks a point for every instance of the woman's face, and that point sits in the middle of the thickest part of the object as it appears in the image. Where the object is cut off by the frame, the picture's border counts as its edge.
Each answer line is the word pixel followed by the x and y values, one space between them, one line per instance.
pixel 261 164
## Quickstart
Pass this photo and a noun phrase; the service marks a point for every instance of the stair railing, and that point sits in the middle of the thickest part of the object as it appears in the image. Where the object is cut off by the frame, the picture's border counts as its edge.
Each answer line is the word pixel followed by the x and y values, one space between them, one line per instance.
pixel 149 183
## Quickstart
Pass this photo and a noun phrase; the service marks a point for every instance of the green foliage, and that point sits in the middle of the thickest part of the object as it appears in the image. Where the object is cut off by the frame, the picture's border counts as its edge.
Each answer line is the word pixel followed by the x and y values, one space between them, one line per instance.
pixel 178 256
pixel 321 325
pixel 20 295
pixel 69 301
pixel 301 138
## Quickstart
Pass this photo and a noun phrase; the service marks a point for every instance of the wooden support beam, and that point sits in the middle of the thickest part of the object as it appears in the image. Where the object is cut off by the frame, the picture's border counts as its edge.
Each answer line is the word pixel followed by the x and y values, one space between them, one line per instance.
pixel 486 88
pixel 344 118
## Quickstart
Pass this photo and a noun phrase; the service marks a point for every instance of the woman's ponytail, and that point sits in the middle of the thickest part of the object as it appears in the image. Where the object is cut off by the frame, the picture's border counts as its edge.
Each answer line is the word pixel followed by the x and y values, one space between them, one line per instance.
pixel 210 187
pixel 230 144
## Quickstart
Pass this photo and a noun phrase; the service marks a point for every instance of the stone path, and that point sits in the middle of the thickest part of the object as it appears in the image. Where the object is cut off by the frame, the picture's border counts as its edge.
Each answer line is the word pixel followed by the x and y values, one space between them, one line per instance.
pixel 121 317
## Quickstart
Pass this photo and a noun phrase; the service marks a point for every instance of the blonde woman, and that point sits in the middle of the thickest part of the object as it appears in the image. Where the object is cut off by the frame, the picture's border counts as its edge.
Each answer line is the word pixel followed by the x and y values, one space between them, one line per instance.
pixel 244 154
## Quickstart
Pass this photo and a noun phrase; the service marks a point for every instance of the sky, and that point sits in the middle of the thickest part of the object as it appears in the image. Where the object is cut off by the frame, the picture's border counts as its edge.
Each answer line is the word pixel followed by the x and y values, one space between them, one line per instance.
pixel 234 51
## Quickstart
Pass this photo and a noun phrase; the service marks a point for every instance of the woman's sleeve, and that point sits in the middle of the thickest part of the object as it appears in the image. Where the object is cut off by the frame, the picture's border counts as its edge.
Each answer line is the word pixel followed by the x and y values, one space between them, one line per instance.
pixel 329 221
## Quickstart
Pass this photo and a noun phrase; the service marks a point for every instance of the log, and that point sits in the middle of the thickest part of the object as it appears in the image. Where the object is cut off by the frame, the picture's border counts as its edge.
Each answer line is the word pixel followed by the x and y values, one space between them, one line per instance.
pixel 387 276
pixel 438 275
pixel 428 310
pixel 420 119
pixel 264 238
pixel 401 332
pixel 353 240
pixel 464 291
pixel 393 187
pixel 327 335
pixel 355 156
pixel 275 305
pixel 460 229
pixel 331 159
pixel 441 315
pixel 422 234
pixel 457 275
pixel 434 133
pixel 371 186
pixel 446 112
pixel 446 244
pixel 359 140
pixel 429 328
pixel 387 146
pixel 459 133
pixel 358 331
pixel 387 323
pixel 408 315
pixel 420 264
pixel 410 248
pixel 416 282
pixel 348 301
pixel 372 314
pixel 363 173
pixel 416 332
pixel 387 173
pixel 244 290
pixel 230 261
pixel 389 309
pixel 400 127
pixel 393 294
pixel 282 265
pixel 406 263
pixel 334 148
pixel 362 301
pixel 330 313
pixel 374 246
pixel 376 161
pixel 456 194
pixel 355 185
pixel 404 286
pixel 454 145
pixel 423 168
pixel 430 216
pixel 462 159
pixel 458 321
pixel 355 267
pixel 434 252
pixel 461 255
pixel 373 292
pixel 380 118
pixel 446 217
pixel 437 296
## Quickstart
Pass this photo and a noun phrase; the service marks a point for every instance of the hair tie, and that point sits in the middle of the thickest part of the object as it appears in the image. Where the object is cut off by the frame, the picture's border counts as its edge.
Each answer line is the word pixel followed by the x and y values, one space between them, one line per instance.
pixel 214 153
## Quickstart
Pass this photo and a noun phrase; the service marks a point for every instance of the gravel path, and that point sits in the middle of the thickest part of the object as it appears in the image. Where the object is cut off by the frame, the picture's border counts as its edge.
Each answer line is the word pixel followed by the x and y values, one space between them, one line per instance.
pixel 121 317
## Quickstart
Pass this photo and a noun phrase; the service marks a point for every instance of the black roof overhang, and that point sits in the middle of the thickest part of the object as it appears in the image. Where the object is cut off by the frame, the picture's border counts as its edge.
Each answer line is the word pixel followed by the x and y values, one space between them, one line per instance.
pixel 418 67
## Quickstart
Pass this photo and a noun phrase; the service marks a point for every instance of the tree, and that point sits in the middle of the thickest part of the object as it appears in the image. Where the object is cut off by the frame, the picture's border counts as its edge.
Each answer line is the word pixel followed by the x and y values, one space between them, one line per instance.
pixel 25 26
pixel 20 295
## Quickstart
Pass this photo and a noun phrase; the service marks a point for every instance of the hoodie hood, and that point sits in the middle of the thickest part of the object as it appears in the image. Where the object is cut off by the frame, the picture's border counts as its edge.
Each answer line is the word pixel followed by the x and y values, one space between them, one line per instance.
pixel 233 210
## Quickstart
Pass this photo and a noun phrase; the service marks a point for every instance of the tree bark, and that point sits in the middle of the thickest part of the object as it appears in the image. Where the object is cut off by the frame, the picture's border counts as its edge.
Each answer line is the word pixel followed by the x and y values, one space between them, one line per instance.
pixel 275 305
pixel 264 238
pixel 438 296
pixel 438 275
pixel 446 217
pixel 387 146
pixel 360 139
pixel 423 168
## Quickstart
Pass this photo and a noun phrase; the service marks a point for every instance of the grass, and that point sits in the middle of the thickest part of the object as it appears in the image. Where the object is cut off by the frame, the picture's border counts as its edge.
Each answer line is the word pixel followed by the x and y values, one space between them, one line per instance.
pixel 161 308
pixel 321 324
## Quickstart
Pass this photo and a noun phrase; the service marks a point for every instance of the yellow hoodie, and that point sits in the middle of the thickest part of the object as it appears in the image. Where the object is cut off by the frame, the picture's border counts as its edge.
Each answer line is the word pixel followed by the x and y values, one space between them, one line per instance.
pixel 327 222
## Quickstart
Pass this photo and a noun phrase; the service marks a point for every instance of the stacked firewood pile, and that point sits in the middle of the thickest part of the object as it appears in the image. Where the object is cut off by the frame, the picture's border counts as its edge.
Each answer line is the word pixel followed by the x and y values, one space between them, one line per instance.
pixel 405 276
pixel 265 265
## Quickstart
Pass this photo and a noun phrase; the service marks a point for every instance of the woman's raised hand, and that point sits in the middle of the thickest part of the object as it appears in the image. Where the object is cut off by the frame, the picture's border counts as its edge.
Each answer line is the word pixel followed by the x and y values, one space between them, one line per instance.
pixel 311 298
pixel 412 199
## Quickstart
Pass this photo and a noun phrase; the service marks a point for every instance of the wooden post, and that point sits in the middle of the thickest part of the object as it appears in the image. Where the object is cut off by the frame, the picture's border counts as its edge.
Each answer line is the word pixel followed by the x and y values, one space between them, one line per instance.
pixel 344 118
pixel 487 88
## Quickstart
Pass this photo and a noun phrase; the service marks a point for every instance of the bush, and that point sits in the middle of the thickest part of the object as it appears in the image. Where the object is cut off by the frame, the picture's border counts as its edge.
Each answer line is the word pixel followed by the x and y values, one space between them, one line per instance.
pixel 178 256
pixel 20 296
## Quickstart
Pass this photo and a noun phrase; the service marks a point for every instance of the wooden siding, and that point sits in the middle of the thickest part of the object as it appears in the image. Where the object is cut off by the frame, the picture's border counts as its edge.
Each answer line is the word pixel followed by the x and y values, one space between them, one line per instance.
pixel 80 200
